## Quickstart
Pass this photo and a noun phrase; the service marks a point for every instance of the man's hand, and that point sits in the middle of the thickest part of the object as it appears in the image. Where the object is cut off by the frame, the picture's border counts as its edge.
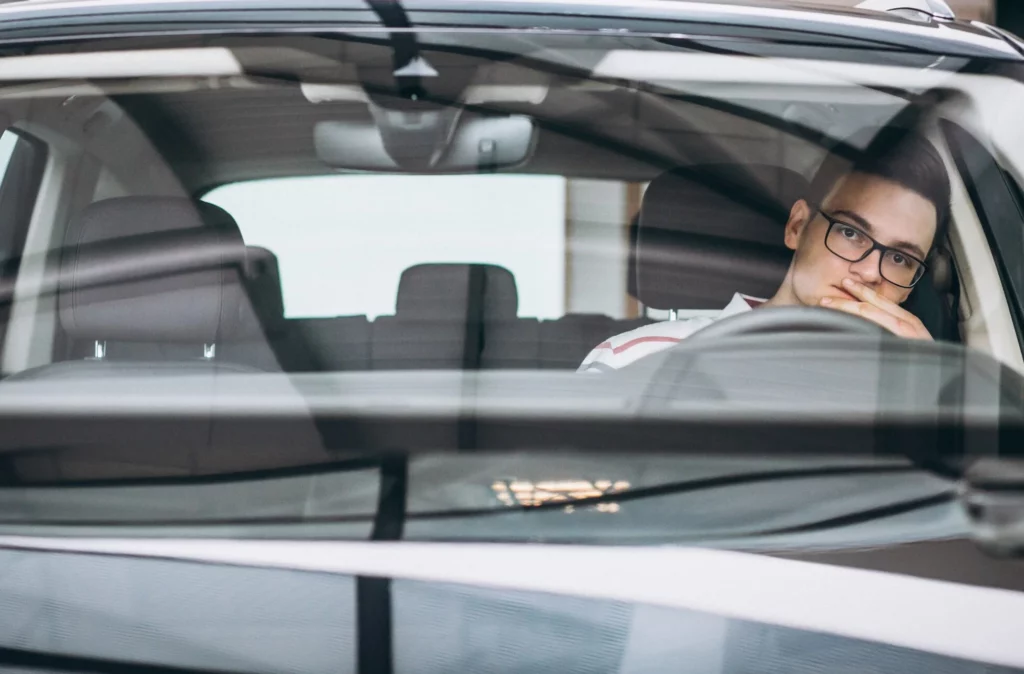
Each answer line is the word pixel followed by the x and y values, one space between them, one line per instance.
pixel 878 309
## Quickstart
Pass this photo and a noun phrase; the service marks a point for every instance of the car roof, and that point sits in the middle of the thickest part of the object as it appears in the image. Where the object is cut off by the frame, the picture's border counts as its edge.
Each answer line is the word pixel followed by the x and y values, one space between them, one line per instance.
pixel 44 20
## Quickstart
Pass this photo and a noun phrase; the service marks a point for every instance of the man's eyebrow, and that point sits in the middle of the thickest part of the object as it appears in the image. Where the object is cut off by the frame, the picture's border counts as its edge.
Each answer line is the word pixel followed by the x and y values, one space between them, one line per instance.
pixel 911 248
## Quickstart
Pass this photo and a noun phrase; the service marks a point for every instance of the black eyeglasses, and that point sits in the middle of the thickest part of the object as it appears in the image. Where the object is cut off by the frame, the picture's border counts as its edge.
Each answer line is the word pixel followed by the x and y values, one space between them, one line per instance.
pixel 853 244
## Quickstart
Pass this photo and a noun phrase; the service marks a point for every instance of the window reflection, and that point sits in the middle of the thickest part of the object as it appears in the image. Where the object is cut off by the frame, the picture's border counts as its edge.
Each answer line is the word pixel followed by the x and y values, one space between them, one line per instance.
pixel 516 492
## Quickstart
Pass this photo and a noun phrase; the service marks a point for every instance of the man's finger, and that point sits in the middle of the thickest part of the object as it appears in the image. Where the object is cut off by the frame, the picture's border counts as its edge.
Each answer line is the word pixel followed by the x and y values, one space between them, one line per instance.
pixel 866 294
pixel 906 325
pixel 871 313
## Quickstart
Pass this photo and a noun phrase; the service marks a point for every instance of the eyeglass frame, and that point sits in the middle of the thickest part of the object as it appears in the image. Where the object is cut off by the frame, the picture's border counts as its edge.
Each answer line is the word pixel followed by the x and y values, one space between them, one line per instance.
pixel 832 222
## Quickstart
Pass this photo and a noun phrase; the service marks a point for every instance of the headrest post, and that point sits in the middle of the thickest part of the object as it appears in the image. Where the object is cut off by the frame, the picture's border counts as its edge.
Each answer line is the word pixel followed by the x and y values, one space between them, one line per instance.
pixel 673 315
pixel 99 350
pixel 209 351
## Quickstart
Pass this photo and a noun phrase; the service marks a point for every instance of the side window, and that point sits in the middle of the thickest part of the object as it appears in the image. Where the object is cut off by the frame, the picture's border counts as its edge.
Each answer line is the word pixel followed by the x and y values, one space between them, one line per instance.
pixel 22 160
pixel 8 140
pixel 1000 206
pixel 21 166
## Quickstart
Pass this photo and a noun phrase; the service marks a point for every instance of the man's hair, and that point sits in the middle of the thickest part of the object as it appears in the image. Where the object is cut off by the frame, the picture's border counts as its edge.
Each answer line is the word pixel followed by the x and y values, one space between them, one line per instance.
pixel 902 156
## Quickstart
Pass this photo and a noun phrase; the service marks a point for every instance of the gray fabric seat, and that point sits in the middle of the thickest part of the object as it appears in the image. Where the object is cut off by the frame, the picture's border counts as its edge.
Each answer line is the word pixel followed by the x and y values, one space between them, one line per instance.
pixel 708 231
pixel 336 344
pixel 703 233
pixel 159 278
pixel 265 338
pixel 464 316
pixel 511 344
pixel 441 315
pixel 566 341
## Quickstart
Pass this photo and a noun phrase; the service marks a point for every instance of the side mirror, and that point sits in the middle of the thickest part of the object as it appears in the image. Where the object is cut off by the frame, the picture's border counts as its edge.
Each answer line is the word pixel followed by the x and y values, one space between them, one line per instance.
pixel 992 496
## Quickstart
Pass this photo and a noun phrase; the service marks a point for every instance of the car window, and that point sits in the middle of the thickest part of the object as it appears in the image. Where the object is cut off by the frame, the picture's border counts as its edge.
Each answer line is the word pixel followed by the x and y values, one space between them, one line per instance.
pixel 523 220
pixel 22 161
pixel 342 242
pixel 386 255
pixel 998 202
pixel 359 295
pixel 8 140
pixel 21 164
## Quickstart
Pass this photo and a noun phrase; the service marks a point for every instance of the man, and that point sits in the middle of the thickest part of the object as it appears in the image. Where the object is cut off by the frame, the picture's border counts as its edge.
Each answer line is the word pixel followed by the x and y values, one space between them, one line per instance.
pixel 859 245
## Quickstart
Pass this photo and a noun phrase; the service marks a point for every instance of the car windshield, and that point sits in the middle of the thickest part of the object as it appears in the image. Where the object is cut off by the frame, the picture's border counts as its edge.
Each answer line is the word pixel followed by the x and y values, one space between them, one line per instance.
pixel 753 292
pixel 304 254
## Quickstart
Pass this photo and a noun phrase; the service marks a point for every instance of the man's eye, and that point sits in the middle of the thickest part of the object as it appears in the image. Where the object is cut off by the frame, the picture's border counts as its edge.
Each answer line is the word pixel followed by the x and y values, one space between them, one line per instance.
pixel 901 260
pixel 849 233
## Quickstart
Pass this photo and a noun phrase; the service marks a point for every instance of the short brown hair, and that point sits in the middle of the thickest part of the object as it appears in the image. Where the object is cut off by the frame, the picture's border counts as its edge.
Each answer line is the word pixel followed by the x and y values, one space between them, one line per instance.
pixel 903 156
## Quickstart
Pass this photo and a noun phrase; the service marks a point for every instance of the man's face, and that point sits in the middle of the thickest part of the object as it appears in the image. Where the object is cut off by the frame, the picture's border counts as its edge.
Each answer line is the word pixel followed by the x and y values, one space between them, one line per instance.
pixel 890 213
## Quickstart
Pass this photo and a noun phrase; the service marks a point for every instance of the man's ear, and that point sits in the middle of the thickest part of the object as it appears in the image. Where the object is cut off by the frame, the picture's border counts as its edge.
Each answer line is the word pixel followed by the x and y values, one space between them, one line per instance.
pixel 799 217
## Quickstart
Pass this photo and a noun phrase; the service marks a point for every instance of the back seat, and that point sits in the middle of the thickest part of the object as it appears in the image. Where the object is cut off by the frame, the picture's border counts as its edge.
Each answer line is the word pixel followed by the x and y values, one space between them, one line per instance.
pixel 566 341
pixel 464 316
pixel 448 316
pixel 295 345
pixel 444 318
pixel 337 344
pixel 264 341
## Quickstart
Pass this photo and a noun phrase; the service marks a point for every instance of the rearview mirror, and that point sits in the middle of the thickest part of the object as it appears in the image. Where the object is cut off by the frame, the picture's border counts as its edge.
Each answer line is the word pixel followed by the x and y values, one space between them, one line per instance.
pixel 442 143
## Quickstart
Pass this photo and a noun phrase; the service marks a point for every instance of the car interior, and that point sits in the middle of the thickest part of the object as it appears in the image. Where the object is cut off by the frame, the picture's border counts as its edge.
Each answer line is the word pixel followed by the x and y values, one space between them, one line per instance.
pixel 161 397
pixel 149 277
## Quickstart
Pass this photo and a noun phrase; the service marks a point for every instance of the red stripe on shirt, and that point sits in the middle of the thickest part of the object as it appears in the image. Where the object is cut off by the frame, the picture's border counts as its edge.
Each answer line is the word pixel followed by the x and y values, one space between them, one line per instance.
pixel 640 340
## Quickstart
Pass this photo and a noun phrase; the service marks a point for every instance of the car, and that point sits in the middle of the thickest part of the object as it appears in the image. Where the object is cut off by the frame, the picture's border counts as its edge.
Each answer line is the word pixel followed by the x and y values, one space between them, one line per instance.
pixel 295 293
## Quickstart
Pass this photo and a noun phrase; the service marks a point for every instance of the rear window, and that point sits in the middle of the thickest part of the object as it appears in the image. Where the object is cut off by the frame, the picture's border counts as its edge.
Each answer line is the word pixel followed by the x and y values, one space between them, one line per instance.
pixel 342 242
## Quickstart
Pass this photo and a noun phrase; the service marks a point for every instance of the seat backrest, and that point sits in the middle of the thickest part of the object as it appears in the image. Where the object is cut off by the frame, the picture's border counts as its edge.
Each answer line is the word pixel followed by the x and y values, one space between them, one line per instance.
pixel 510 344
pixel 263 286
pixel 441 315
pixel 337 344
pixel 150 270
pixel 708 231
pixel 258 341
pixel 566 341
pixel 262 340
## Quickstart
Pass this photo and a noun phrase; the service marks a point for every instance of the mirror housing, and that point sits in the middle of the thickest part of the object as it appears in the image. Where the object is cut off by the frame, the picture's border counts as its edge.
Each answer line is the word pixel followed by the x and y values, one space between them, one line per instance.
pixel 447 140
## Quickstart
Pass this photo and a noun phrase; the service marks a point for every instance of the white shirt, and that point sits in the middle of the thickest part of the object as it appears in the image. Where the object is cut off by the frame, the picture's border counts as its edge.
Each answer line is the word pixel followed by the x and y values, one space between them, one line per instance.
pixel 629 347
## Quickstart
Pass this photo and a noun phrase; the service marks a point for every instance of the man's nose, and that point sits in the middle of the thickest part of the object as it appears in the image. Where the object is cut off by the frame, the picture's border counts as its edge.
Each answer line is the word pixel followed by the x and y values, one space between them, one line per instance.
pixel 866 271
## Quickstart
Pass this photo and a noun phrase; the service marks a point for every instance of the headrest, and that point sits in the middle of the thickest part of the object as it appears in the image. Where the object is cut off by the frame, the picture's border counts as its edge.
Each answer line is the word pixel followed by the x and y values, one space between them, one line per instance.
pixel 708 231
pixel 457 291
pixel 151 269
pixel 263 281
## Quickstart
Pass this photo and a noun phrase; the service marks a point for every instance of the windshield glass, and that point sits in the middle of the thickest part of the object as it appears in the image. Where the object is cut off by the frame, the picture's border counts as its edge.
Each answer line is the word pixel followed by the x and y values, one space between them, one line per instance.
pixel 271 284
pixel 322 326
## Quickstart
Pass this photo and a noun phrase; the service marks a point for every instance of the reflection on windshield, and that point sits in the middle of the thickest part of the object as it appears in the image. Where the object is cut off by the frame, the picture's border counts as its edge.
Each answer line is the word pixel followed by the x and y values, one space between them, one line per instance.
pixel 526 493
pixel 307 265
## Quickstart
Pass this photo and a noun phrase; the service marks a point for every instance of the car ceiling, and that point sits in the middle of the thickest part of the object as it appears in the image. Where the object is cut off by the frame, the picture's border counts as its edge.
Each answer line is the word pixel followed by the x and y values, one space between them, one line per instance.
pixel 215 137
pixel 262 125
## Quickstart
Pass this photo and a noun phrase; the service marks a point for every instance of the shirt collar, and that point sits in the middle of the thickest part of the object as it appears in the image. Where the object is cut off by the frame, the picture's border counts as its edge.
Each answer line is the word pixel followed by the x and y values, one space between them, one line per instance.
pixel 739 304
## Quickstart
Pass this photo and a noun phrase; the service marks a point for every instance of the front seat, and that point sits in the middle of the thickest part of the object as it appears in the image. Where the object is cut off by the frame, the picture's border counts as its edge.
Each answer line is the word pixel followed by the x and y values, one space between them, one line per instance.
pixel 149 271
pixel 708 231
